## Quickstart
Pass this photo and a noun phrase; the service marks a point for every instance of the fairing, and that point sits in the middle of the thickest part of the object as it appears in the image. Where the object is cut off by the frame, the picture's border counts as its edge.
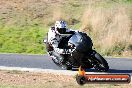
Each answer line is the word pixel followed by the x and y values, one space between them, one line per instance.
pixel 81 41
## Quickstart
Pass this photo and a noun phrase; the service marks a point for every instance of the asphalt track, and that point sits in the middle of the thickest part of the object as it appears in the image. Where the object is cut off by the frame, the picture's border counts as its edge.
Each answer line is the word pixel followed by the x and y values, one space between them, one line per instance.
pixel 117 65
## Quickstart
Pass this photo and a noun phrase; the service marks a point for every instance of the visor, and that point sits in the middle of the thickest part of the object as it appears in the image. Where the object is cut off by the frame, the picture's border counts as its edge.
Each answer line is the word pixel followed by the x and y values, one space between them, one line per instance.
pixel 61 30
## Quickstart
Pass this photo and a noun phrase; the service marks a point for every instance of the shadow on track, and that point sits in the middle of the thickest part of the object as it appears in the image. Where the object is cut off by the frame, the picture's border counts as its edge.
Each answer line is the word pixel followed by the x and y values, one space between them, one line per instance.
pixel 119 71
pixel 111 71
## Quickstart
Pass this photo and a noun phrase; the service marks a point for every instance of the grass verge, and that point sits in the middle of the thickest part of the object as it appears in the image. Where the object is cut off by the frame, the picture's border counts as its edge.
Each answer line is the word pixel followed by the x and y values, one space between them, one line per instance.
pixel 23 24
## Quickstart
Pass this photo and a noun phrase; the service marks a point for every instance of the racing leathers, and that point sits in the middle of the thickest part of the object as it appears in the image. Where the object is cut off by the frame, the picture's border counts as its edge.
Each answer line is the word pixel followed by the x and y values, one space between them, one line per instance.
pixel 55 39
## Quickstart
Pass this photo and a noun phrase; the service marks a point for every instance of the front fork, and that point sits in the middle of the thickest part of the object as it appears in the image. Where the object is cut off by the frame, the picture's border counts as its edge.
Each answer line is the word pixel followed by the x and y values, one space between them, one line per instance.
pixel 91 57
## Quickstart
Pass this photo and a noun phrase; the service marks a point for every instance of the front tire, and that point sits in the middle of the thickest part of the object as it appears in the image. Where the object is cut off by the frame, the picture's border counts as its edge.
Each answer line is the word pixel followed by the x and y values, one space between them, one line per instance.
pixel 100 63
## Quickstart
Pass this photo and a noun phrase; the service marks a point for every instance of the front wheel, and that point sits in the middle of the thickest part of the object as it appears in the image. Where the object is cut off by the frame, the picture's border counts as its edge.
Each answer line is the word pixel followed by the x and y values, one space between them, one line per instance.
pixel 100 63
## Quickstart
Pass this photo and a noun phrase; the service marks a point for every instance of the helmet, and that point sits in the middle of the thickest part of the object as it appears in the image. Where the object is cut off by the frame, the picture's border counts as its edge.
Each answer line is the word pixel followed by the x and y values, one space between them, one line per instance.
pixel 60 27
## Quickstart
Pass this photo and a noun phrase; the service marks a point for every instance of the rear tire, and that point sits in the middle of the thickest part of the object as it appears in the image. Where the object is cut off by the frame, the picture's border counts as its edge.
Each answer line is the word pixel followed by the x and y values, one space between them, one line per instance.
pixel 65 67
pixel 62 66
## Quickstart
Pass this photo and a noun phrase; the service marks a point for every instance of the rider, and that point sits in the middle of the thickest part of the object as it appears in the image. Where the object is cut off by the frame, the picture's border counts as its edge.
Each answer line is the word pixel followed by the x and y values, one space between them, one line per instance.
pixel 55 37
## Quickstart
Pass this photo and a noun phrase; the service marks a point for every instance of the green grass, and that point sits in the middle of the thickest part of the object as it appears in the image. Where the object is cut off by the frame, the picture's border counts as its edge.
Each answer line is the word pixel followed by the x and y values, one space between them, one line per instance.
pixel 23 27
pixel 28 39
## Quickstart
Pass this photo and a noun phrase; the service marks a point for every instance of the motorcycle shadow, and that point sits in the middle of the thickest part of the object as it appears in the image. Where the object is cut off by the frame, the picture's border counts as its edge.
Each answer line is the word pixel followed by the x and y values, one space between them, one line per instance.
pixel 119 71
pixel 111 71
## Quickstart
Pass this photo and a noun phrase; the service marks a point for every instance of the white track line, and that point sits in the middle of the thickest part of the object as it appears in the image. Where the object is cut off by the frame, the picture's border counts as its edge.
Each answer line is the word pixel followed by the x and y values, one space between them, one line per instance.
pixel 64 72
pixel 59 72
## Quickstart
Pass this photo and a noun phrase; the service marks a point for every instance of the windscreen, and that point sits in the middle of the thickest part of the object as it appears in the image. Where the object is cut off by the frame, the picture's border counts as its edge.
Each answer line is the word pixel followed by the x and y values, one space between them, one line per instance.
pixel 81 41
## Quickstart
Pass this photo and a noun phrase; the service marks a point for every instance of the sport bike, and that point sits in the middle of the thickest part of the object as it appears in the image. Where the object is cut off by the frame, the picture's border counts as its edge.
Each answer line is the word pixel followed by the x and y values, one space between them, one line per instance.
pixel 82 53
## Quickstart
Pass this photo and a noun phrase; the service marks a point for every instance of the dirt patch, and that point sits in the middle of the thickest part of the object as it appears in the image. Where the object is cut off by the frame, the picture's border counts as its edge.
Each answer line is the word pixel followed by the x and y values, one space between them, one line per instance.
pixel 30 78
pixel 47 80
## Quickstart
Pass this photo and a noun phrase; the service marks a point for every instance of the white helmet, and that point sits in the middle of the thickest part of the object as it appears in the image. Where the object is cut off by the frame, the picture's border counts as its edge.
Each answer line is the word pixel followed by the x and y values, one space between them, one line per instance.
pixel 60 27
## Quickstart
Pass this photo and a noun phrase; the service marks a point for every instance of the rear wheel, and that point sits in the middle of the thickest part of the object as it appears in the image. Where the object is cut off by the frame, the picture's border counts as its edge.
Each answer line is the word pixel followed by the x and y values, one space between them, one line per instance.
pixel 64 66
pixel 100 63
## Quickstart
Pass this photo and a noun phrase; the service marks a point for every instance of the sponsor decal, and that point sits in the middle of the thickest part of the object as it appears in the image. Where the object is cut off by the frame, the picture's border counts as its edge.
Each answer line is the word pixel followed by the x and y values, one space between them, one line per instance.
pixel 83 78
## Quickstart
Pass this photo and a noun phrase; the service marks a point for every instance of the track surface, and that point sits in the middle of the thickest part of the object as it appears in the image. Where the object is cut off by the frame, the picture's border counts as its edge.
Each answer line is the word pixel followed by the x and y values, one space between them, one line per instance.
pixel 117 65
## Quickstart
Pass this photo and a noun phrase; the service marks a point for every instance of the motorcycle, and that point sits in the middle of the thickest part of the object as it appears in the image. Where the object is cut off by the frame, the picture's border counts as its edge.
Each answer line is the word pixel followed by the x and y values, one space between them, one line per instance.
pixel 82 55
